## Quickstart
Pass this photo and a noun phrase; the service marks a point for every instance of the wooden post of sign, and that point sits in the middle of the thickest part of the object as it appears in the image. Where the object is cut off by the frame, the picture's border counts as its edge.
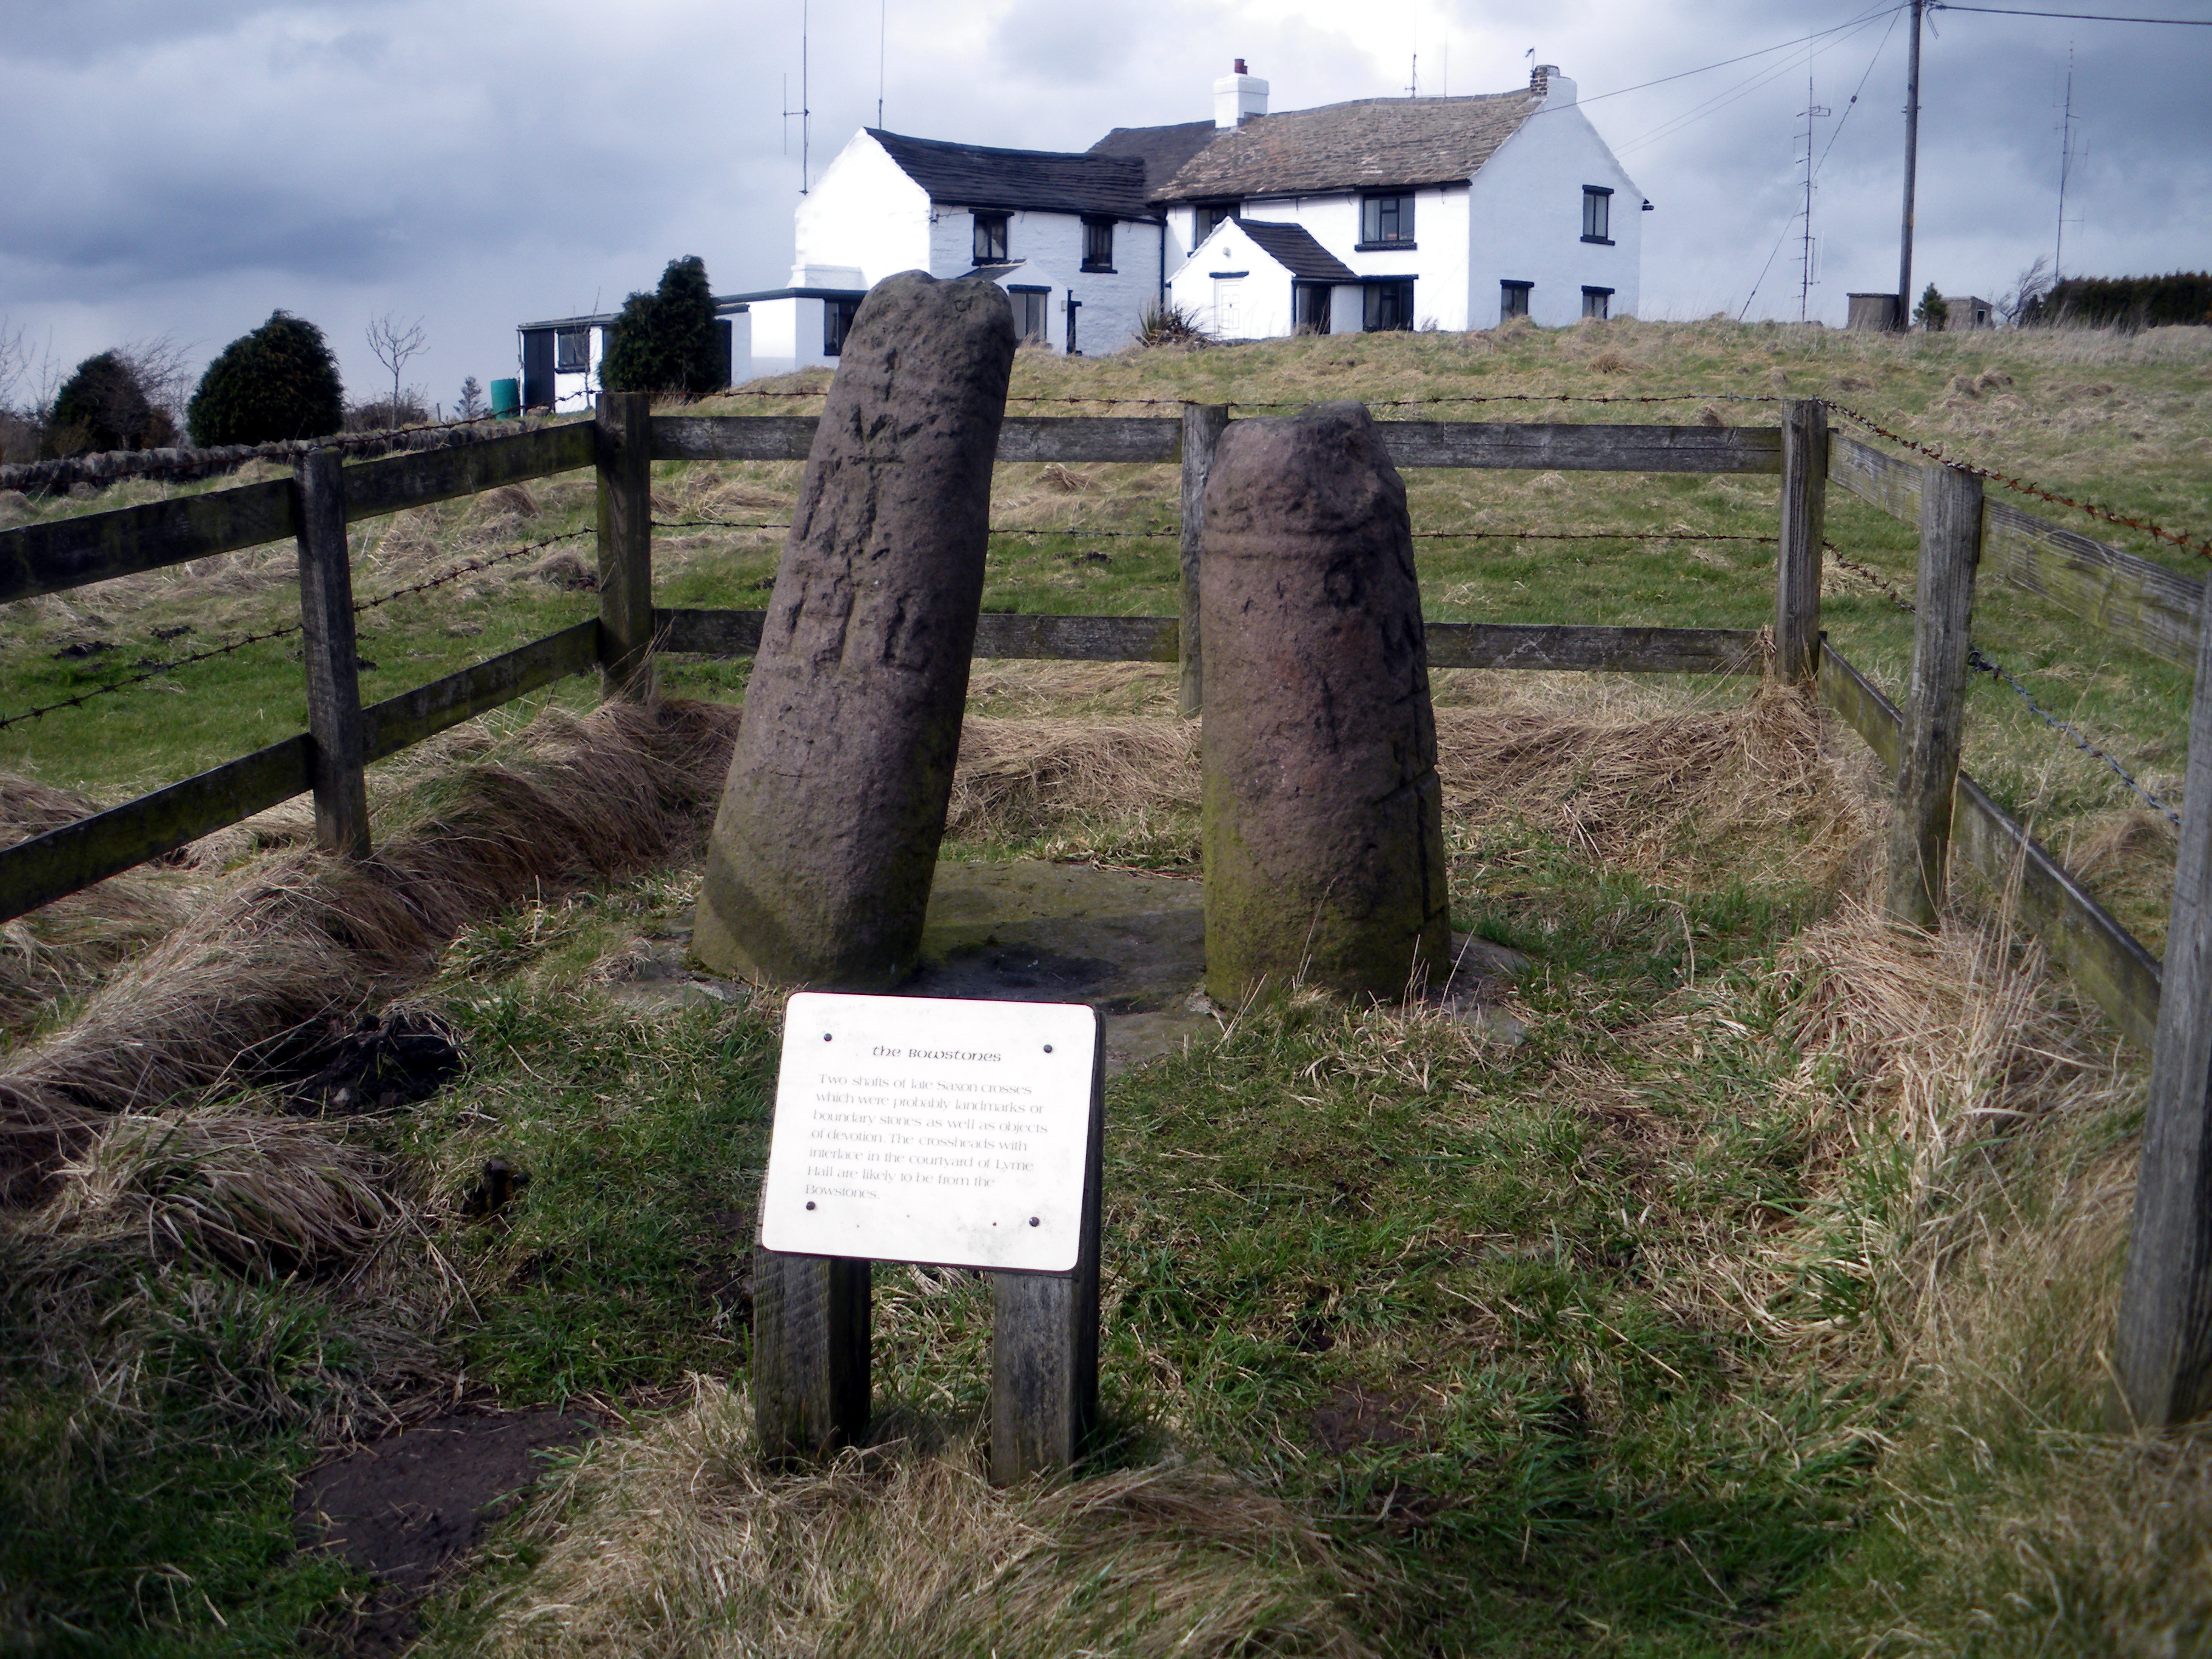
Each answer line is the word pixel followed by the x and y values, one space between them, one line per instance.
pixel 625 465
pixel 1044 1336
pixel 1201 430
pixel 2163 1354
pixel 1920 822
pixel 810 1362
pixel 1797 564
pixel 332 654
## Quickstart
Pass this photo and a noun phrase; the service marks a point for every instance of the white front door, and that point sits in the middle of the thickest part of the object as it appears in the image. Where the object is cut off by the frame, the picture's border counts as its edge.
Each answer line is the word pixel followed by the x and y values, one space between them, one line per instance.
pixel 1228 293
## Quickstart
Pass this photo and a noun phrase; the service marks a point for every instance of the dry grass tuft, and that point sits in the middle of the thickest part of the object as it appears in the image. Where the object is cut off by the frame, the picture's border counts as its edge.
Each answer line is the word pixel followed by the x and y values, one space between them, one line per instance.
pixel 676 1542
pixel 301 936
pixel 1632 788
pixel 269 1196
pixel 1017 777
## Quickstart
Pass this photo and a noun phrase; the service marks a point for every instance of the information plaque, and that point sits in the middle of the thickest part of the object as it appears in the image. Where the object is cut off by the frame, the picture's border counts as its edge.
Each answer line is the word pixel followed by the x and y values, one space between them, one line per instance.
pixel 930 1130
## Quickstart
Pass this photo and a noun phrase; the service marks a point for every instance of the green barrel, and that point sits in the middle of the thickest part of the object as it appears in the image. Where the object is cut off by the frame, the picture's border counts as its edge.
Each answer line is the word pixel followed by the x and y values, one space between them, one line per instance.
pixel 505 398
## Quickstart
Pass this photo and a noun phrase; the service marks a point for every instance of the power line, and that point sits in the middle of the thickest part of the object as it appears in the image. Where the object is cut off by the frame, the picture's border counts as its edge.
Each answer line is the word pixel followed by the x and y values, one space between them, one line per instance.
pixel 1749 84
pixel 1599 98
pixel 2077 16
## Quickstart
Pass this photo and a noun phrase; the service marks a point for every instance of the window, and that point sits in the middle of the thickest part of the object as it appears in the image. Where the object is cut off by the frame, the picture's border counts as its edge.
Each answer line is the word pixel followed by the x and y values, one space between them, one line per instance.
pixel 1098 244
pixel 1030 312
pixel 1386 221
pixel 1309 307
pixel 1597 215
pixel 1389 305
pixel 990 239
pixel 1211 215
pixel 1597 303
pixel 836 324
pixel 572 351
pixel 1513 299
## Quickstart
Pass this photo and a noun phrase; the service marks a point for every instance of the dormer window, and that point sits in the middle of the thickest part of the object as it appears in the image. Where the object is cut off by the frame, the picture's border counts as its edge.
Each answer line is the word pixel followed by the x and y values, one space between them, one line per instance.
pixel 1597 215
pixel 1098 244
pixel 991 238
pixel 1386 221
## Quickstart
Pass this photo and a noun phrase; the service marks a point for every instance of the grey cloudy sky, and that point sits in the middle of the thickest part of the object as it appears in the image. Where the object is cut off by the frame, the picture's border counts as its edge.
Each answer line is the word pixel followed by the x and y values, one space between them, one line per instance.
pixel 183 169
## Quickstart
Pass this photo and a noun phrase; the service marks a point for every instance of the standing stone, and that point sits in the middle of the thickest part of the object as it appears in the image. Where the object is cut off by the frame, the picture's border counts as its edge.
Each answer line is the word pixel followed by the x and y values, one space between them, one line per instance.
pixel 1324 814
pixel 819 867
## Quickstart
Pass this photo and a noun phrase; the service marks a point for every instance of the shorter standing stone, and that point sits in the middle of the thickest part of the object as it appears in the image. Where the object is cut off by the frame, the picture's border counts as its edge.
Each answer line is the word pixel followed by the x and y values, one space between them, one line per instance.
pixel 818 870
pixel 1324 814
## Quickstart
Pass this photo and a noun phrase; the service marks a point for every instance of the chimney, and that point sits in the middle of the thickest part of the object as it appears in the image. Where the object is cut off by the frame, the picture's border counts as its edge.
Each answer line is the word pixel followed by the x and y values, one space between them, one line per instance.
pixel 1548 83
pixel 1236 95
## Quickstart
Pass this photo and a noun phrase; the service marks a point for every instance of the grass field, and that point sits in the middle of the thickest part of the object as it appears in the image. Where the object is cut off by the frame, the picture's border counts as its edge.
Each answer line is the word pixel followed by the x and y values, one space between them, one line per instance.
pixel 1755 1301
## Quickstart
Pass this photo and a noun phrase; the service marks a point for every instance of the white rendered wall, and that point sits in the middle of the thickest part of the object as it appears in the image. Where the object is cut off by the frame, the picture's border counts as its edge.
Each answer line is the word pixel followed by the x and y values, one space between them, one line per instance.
pixel 786 334
pixel 1263 293
pixel 575 392
pixel 1525 222
pixel 1047 249
pixel 866 214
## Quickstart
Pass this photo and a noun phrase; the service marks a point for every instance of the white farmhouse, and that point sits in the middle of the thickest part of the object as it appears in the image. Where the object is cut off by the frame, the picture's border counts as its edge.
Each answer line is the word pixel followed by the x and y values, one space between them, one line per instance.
pixel 1387 213
pixel 1454 213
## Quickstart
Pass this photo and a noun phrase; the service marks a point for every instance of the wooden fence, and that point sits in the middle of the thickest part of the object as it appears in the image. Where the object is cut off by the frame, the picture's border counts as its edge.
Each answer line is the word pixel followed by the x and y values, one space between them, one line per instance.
pixel 2165 1346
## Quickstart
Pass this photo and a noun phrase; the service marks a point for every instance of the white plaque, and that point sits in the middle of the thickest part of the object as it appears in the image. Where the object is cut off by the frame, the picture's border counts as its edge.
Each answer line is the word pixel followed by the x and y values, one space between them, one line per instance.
pixel 924 1129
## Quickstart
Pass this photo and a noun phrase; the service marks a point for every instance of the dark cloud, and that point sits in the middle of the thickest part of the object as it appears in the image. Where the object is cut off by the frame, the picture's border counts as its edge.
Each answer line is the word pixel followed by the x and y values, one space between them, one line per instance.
pixel 482 164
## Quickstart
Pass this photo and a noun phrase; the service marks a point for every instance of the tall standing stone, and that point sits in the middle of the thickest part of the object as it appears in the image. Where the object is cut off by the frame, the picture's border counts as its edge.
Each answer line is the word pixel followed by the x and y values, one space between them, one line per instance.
pixel 819 868
pixel 1324 814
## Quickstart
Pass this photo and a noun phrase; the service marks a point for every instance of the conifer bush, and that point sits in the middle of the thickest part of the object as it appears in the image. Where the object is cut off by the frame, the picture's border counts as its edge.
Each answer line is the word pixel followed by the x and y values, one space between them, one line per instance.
pixel 101 407
pixel 666 341
pixel 279 381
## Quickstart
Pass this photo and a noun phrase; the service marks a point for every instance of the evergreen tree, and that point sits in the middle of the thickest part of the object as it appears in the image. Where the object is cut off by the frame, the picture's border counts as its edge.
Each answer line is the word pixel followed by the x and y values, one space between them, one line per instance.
pixel 666 341
pixel 100 407
pixel 1933 312
pixel 471 407
pixel 279 381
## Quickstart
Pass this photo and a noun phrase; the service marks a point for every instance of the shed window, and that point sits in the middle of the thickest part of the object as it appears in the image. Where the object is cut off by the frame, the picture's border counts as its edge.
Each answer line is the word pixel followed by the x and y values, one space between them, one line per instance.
pixel 990 239
pixel 1309 307
pixel 1597 303
pixel 836 324
pixel 1597 214
pixel 1098 244
pixel 1513 299
pixel 1030 312
pixel 572 351
pixel 1389 305
pixel 1386 220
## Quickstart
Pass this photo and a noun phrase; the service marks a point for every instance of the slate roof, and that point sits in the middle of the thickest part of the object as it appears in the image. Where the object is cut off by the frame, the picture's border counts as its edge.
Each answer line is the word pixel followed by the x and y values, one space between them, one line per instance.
pixel 977 176
pixel 1293 247
pixel 1370 144
pixel 1162 149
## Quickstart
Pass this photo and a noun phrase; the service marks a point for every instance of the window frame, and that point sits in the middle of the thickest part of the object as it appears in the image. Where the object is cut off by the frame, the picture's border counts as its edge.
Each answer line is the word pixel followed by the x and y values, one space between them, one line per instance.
pixel 837 323
pixel 1212 216
pixel 562 336
pixel 1397 207
pixel 1004 223
pixel 1025 295
pixel 1604 298
pixel 1597 215
pixel 1095 227
pixel 1372 302
pixel 1513 298
pixel 1311 298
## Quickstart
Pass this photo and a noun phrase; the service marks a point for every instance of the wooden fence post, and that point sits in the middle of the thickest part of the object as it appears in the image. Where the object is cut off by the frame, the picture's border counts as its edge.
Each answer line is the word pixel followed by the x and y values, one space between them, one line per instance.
pixel 1044 1337
pixel 1920 822
pixel 810 1359
pixel 1201 430
pixel 625 463
pixel 1798 563
pixel 332 655
pixel 2163 1354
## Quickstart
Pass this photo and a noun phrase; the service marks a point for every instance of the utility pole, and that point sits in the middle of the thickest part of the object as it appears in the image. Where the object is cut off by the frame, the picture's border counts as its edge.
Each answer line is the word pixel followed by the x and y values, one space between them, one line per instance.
pixel 2066 169
pixel 1812 112
pixel 1912 164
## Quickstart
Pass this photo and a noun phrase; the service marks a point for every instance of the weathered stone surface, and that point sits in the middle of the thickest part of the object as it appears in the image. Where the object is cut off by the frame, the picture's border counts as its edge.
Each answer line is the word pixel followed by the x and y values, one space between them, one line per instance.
pixel 819 868
pixel 1324 816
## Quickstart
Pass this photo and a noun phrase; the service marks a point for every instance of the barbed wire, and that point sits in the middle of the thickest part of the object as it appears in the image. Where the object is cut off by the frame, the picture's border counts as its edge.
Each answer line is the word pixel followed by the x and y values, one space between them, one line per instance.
pixel 1419 535
pixel 1982 663
pixel 1380 402
pixel 2024 487
pixel 469 569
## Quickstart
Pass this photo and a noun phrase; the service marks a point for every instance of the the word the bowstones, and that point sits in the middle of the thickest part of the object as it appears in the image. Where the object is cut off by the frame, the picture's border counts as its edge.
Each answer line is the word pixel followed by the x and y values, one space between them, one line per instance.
pixel 968 1134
